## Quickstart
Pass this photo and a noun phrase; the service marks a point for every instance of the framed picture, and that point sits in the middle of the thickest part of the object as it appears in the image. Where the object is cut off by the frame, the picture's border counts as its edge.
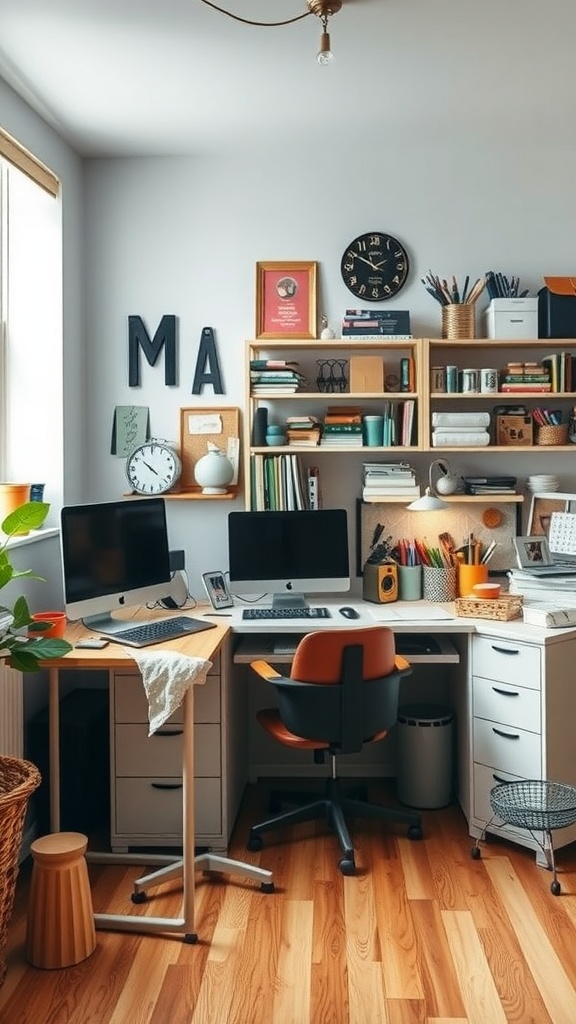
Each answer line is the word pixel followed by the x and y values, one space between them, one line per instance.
pixel 531 551
pixel 286 300
pixel 217 589
pixel 542 507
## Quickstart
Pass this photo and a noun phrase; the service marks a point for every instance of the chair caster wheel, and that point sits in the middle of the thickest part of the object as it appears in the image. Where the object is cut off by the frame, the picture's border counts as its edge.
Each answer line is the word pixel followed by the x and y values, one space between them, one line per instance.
pixel 555 888
pixel 415 832
pixel 267 887
pixel 191 938
pixel 475 853
pixel 139 897
pixel 347 866
pixel 254 843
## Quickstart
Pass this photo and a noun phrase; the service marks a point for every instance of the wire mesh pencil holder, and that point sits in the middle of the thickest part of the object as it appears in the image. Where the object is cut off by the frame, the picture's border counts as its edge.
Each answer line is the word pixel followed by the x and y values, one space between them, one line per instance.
pixel 332 375
pixel 535 805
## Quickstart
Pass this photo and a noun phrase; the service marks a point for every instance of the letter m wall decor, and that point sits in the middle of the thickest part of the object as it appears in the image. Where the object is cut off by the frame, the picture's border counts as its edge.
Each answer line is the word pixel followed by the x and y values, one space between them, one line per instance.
pixel 138 338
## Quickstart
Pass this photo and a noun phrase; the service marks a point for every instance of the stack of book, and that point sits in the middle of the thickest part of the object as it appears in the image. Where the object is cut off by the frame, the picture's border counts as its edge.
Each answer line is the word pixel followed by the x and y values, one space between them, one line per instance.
pixel 460 429
pixel 489 484
pixel 303 431
pixel 556 590
pixel 342 427
pixel 525 377
pixel 274 376
pixel 375 324
pixel 382 480
pixel 560 366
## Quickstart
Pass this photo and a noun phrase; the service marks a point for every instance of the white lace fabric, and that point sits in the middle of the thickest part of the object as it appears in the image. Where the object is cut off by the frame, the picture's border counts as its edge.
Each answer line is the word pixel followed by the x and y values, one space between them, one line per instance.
pixel 167 676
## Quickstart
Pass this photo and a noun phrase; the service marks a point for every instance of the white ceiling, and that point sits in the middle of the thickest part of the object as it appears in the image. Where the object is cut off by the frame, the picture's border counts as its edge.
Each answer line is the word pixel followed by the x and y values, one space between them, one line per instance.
pixel 134 77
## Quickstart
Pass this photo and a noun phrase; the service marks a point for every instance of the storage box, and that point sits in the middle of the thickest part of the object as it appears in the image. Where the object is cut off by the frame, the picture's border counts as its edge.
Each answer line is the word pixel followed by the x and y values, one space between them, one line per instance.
pixel 557 308
pixel 512 318
pixel 514 430
pixel 366 374
pixel 503 608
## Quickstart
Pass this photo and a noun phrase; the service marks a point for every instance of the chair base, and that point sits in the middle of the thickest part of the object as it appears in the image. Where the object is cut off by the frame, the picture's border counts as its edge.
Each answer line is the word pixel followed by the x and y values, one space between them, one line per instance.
pixel 335 807
pixel 203 862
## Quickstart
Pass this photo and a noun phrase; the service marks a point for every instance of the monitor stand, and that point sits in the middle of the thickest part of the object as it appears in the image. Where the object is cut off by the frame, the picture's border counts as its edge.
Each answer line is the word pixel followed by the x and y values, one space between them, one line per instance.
pixel 105 623
pixel 294 600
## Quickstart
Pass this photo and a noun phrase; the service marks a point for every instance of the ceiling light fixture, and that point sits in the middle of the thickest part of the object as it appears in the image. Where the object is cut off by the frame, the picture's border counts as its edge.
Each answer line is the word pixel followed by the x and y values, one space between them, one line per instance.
pixel 323 9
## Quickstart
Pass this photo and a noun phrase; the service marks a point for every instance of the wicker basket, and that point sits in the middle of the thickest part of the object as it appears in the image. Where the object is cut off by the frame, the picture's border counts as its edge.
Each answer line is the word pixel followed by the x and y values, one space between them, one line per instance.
pixel 18 779
pixel 459 320
pixel 504 608
pixel 552 435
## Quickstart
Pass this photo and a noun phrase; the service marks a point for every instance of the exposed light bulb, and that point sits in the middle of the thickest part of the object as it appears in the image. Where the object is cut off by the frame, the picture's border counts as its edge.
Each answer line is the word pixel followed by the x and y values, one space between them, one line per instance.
pixel 325 55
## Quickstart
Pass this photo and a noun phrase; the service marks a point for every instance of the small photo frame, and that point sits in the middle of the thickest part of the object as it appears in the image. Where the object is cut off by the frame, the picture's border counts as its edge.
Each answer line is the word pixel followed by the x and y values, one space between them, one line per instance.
pixel 286 305
pixel 543 505
pixel 531 551
pixel 217 589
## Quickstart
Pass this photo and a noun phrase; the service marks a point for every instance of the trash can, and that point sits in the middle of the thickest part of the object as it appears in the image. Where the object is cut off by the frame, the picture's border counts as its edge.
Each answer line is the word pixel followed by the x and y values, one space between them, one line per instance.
pixel 424 771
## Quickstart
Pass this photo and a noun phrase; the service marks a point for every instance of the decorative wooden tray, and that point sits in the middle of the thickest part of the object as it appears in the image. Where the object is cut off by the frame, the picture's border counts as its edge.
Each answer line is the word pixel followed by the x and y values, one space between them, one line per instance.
pixel 505 607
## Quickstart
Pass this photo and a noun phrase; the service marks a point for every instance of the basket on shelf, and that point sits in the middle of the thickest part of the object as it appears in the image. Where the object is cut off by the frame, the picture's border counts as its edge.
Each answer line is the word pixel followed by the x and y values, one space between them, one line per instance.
pixel 504 608
pixel 18 780
pixel 549 435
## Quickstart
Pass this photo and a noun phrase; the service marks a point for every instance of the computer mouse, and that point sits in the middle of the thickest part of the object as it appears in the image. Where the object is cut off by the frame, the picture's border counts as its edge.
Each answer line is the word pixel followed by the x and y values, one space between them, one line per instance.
pixel 349 613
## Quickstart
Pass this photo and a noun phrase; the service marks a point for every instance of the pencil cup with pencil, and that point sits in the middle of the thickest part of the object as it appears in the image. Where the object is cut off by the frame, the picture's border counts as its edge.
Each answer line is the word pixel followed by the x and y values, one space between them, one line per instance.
pixel 458 304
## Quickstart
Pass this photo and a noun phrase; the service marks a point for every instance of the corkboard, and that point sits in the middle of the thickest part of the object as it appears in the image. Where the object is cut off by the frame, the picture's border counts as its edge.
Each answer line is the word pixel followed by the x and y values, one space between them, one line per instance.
pixel 195 434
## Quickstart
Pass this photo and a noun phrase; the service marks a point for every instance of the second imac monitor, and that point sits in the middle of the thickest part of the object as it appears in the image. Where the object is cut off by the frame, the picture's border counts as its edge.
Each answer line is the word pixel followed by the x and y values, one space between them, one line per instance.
pixel 289 554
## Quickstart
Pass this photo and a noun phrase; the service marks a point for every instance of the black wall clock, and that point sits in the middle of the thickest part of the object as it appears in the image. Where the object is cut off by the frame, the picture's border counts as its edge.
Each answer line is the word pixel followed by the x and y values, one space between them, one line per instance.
pixel 374 266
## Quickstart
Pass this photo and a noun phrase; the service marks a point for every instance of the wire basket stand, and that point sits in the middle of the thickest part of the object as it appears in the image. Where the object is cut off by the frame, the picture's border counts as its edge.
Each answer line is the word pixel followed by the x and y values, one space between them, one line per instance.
pixel 539 807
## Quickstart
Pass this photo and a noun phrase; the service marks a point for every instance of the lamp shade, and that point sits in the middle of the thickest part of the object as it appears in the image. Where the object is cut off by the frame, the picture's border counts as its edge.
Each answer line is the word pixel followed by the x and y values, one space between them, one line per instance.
pixel 428 503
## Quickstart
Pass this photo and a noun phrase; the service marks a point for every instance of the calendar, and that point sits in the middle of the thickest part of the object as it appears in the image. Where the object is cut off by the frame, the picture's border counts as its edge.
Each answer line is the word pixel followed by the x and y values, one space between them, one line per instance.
pixel 562 535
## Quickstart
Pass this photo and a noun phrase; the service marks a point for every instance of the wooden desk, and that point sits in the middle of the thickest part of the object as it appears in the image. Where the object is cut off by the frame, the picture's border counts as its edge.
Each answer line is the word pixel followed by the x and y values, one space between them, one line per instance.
pixel 203 645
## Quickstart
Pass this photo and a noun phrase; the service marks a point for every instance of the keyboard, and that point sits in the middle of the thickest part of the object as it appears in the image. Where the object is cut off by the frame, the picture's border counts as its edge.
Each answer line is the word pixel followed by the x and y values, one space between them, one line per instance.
pixel 285 613
pixel 156 631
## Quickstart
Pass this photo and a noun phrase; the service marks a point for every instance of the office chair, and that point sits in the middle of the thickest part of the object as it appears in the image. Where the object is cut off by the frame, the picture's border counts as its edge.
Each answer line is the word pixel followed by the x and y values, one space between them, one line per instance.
pixel 342 693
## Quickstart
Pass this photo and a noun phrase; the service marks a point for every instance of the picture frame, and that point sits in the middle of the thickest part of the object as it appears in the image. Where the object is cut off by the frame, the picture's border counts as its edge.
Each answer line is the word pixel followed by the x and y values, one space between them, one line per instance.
pixel 217 589
pixel 543 505
pixel 532 550
pixel 286 299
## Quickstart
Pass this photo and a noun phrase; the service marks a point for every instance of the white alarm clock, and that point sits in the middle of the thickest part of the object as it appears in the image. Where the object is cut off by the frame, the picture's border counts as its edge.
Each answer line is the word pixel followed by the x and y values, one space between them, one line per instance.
pixel 153 467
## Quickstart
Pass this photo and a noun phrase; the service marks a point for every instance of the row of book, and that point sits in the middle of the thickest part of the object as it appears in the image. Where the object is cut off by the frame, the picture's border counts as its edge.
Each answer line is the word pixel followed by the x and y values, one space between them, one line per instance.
pixel 375 324
pixel 342 426
pixel 382 480
pixel 279 483
pixel 553 373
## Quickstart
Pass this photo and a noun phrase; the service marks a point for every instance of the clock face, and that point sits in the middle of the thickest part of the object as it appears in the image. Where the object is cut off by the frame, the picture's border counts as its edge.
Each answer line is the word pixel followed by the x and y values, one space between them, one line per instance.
pixel 374 266
pixel 152 468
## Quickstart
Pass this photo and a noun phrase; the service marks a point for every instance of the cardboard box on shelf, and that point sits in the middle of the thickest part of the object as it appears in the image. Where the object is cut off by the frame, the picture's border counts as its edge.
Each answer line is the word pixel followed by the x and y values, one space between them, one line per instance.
pixel 516 431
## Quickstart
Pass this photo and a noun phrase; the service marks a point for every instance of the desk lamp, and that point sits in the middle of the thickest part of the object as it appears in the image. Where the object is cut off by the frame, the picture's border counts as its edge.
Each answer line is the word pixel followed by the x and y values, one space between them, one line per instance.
pixel 445 484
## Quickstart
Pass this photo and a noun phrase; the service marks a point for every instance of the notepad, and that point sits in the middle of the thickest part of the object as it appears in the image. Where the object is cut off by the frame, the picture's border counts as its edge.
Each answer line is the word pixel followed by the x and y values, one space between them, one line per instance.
pixel 417 613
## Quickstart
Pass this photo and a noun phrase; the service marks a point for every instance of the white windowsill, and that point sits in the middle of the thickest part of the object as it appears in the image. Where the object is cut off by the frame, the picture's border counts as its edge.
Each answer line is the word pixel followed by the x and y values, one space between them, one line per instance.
pixel 33 537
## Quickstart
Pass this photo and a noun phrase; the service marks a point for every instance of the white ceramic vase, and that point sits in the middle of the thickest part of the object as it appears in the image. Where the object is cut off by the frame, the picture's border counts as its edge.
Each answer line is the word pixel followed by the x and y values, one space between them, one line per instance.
pixel 213 472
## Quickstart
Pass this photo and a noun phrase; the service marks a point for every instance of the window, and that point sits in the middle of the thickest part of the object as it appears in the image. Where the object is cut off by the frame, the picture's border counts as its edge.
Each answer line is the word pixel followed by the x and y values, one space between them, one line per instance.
pixel 31 322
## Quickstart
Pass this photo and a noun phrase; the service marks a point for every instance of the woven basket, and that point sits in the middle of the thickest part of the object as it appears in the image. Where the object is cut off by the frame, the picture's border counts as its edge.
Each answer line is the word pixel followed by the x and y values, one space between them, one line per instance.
pixel 18 779
pixel 504 608
pixel 552 435
pixel 459 320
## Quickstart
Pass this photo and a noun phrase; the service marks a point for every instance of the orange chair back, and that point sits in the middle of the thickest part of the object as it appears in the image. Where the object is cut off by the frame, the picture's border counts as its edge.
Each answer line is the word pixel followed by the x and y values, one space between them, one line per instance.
pixel 318 657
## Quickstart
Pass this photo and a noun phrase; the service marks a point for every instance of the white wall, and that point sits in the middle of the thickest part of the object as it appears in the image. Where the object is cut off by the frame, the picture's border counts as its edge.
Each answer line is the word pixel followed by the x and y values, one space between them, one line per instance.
pixel 183 236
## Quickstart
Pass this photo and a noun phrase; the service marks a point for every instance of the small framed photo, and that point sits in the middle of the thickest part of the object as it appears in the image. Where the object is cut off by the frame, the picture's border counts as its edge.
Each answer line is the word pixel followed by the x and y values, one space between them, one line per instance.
pixel 286 304
pixel 542 507
pixel 217 590
pixel 531 551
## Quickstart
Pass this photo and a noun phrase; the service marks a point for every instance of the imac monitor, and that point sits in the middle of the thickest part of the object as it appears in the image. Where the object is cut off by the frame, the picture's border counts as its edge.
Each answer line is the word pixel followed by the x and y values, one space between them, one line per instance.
pixel 114 555
pixel 289 554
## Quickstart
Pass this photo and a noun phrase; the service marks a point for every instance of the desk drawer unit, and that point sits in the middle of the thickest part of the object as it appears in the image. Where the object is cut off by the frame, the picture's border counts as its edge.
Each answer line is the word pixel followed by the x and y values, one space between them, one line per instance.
pixel 506 723
pixel 146 771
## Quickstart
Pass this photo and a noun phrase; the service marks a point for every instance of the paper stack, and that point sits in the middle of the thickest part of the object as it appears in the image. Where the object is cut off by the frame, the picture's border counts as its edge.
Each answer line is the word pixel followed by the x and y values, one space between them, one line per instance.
pixel 382 480
pixel 460 429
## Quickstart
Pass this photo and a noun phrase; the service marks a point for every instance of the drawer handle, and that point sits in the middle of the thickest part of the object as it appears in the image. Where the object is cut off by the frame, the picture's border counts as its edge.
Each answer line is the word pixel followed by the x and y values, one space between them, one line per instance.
pixel 506 693
pixel 506 735
pixel 169 732
pixel 166 785
pixel 503 650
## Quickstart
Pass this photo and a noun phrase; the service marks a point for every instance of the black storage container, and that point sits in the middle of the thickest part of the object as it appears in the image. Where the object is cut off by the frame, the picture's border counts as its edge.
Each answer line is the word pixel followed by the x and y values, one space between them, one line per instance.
pixel 84 761
pixel 557 308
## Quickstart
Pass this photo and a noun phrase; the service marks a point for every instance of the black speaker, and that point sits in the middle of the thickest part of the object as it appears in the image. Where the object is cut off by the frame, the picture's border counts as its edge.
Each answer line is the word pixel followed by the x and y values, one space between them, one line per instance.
pixel 259 427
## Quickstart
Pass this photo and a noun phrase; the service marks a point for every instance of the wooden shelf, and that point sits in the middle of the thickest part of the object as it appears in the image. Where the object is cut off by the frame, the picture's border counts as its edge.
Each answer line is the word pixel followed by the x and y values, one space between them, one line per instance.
pixel 191 494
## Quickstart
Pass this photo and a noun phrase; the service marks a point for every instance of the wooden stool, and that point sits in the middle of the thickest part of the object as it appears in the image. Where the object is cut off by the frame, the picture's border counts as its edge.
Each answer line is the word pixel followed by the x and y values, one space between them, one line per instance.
pixel 60 930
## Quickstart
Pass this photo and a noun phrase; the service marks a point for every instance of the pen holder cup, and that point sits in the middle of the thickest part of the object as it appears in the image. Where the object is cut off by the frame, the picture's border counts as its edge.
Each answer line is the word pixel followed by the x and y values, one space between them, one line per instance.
pixel 552 435
pixel 459 320
pixel 409 582
pixel 439 584
pixel 468 575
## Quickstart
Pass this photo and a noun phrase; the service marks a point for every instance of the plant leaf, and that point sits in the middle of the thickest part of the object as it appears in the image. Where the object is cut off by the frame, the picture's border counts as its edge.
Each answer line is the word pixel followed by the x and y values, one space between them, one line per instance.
pixel 29 516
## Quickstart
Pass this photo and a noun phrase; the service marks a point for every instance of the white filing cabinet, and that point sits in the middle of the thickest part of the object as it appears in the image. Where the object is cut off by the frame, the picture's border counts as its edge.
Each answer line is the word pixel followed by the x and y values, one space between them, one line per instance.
pixel 523 710
pixel 146 772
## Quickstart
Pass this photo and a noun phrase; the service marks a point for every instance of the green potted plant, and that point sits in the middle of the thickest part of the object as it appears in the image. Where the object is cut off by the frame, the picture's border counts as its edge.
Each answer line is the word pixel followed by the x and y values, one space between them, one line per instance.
pixel 21 639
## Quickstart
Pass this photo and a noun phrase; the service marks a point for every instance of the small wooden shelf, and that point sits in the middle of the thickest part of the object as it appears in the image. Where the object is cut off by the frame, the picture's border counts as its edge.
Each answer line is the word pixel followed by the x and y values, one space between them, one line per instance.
pixel 190 494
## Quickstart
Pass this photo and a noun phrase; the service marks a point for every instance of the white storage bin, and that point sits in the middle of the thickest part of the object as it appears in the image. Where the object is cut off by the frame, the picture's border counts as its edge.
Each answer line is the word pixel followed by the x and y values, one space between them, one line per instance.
pixel 512 318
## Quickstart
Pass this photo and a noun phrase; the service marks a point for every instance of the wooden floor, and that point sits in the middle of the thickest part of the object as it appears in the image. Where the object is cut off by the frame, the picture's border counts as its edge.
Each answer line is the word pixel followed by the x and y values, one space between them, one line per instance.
pixel 423 934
